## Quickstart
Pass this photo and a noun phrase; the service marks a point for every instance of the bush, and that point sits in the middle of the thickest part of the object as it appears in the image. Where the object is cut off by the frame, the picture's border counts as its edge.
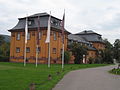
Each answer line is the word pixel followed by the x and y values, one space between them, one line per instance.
pixel 66 57
pixel 91 60
pixel 98 60
pixel 4 59
pixel 115 71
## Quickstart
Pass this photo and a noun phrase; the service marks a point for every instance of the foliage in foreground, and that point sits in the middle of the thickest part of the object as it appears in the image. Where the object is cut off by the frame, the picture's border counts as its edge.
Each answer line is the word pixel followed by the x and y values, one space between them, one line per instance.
pixel 115 71
pixel 117 50
pixel 66 57
pixel 78 51
pixel 4 49
pixel 14 76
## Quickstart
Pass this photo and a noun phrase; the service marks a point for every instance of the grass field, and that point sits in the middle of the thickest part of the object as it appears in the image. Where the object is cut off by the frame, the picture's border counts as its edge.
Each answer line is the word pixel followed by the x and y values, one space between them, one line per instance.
pixel 14 76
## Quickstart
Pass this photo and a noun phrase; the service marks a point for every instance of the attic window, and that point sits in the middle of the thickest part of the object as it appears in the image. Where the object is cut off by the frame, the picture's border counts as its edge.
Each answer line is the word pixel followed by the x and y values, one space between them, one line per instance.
pixel 99 38
pixel 55 22
pixel 29 23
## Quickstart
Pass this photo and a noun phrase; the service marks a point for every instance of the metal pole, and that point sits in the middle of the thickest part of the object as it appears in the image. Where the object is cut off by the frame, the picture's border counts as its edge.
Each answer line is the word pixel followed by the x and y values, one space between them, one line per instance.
pixel 49 54
pixel 25 56
pixel 36 55
pixel 63 57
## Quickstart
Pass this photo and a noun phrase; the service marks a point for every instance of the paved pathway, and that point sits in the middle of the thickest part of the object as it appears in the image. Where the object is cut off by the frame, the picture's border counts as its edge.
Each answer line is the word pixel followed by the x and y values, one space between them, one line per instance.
pixel 90 79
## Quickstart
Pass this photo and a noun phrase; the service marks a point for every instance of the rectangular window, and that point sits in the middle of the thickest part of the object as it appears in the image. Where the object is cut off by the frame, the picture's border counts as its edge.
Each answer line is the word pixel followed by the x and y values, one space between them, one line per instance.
pixel 27 49
pixel 40 35
pixel 29 23
pixel 38 49
pixel 61 50
pixel 17 49
pixel 28 36
pixel 54 50
pixel 55 36
pixel 18 36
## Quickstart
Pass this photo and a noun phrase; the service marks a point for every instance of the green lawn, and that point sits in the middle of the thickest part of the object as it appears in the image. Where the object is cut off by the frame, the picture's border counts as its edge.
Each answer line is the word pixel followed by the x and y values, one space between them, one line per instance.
pixel 14 76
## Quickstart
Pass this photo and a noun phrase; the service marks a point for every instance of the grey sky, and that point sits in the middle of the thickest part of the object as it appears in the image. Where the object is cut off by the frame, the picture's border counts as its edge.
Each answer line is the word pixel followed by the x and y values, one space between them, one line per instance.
pixel 101 16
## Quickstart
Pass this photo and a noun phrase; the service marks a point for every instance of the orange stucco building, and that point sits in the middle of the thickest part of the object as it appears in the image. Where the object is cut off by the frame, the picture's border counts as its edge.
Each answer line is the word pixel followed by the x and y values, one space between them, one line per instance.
pixel 92 40
pixel 17 46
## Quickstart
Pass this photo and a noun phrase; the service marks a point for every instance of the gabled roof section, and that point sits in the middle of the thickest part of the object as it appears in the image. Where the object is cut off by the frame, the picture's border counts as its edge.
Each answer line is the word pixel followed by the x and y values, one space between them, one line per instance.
pixel 43 19
pixel 90 36
pixel 87 32
pixel 40 15
pixel 76 38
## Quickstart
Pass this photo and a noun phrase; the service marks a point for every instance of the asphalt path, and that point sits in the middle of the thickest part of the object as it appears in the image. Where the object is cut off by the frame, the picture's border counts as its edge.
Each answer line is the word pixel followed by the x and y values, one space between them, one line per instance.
pixel 90 79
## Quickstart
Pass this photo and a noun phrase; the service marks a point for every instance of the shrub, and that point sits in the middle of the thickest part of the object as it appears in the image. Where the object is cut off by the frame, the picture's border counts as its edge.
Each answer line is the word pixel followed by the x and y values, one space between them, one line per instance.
pixel 4 58
pixel 66 57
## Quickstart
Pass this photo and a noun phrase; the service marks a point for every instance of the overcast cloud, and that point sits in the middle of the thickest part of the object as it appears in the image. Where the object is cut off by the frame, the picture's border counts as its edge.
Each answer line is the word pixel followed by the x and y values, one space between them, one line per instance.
pixel 101 16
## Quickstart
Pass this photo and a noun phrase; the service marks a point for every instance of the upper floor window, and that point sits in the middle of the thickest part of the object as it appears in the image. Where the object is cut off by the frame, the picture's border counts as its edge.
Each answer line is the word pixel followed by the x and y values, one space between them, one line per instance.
pixel 38 49
pixel 28 36
pixel 27 49
pixel 40 35
pixel 29 23
pixel 61 50
pixel 55 36
pixel 18 36
pixel 17 49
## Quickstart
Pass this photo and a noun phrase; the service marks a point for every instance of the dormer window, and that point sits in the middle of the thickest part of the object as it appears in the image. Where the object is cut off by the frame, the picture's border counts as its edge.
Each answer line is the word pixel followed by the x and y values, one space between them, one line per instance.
pixel 51 22
pixel 29 23
pixel 55 22
pixel 99 38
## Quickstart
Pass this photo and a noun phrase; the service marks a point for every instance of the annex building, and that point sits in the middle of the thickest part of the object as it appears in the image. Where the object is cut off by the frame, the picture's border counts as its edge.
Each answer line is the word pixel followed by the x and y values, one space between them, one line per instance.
pixel 92 40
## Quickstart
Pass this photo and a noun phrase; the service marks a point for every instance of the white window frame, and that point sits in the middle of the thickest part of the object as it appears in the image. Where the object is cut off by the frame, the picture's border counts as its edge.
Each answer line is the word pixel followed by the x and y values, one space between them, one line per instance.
pixel 28 36
pixel 55 36
pixel 18 36
pixel 17 50
pixel 28 49
pixel 40 35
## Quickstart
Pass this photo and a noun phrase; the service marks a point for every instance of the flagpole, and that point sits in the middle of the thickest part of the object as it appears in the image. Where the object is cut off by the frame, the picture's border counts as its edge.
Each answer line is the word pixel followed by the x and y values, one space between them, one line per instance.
pixel 48 38
pixel 49 54
pixel 63 57
pixel 25 55
pixel 26 32
pixel 63 24
pixel 36 55
pixel 37 42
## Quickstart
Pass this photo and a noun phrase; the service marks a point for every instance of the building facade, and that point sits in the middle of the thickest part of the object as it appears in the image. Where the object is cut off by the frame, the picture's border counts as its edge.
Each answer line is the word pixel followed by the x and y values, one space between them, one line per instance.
pixel 17 46
pixel 93 41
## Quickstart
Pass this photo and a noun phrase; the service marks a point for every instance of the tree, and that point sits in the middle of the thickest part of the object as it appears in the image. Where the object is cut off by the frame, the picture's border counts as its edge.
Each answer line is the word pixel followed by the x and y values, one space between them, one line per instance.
pixel 106 55
pixel 4 49
pixel 78 51
pixel 117 50
pixel 1 40
pixel 66 57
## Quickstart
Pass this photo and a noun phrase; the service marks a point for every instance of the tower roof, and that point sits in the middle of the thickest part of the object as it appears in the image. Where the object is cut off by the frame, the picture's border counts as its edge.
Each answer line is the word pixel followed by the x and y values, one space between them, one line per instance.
pixel 90 36
pixel 33 22
pixel 85 32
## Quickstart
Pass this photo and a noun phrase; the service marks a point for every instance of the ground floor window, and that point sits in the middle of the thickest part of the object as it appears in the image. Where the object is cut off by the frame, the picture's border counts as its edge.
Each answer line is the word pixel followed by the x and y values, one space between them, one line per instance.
pixel 27 49
pixel 17 49
pixel 54 50
pixel 38 49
